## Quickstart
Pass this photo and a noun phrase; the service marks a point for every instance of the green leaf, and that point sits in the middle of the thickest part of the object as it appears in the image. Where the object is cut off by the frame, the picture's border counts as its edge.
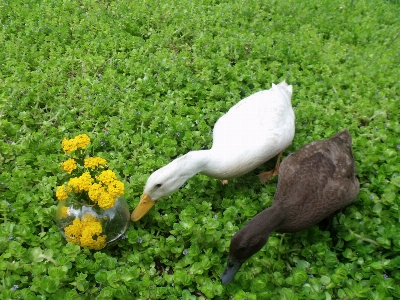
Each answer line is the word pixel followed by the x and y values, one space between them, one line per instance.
pixel 325 280
pixel 49 284
pixel 377 265
pixel 302 264
pixel 57 272
pixel 37 254
pixel 273 242
pixel 101 276
pixel 377 208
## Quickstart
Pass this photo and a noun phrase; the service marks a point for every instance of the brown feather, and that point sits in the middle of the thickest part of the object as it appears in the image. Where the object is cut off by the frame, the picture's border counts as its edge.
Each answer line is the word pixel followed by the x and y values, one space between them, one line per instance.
pixel 313 183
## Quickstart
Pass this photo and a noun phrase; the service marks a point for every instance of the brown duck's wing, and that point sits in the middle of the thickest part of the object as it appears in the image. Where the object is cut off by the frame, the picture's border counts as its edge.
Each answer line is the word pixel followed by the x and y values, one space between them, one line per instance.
pixel 314 183
pixel 290 164
pixel 337 148
pixel 300 167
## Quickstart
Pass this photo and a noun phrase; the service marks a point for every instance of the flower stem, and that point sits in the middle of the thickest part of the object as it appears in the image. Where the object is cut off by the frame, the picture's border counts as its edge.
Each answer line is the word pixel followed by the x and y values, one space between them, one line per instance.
pixel 365 239
pixel 280 244
pixel 50 259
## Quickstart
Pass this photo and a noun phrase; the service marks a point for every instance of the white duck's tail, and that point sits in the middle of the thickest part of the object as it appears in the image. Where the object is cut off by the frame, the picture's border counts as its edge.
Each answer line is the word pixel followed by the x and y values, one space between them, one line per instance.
pixel 284 89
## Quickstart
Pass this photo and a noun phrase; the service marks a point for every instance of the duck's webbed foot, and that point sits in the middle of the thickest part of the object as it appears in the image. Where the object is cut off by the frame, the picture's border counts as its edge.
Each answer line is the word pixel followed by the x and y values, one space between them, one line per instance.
pixel 265 176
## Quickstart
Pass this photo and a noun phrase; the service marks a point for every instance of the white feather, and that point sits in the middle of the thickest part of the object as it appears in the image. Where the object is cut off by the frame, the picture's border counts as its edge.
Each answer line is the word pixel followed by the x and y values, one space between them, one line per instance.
pixel 253 131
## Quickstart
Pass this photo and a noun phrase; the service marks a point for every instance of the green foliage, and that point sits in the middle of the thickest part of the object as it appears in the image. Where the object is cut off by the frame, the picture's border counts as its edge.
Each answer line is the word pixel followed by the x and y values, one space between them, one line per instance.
pixel 147 80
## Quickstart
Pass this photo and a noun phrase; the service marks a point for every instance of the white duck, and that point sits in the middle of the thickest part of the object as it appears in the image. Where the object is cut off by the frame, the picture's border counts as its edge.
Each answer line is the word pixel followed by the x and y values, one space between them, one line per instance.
pixel 252 132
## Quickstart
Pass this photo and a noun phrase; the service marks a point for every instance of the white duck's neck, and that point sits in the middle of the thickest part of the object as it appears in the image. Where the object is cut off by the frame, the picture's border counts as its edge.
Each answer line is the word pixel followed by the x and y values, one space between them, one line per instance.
pixel 193 162
pixel 207 162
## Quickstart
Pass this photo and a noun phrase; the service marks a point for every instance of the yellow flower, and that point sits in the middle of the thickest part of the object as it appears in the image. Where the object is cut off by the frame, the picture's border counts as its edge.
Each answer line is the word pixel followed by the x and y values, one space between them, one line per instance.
pixel 69 165
pixel 95 191
pixel 64 212
pixel 115 188
pixel 87 240
pixel 94 162
pixel 106 201
pixel 107 177
pixel 62 192
pixel 86 181
pixel 86 232
pixel 91 231
pixel 82 141
pixel 69 145
pixel 74 183
pixel 82 183
pixel 73 232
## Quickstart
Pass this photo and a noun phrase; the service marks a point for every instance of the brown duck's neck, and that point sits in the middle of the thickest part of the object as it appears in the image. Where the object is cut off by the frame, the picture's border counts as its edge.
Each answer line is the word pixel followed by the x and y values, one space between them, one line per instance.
pixel 266 221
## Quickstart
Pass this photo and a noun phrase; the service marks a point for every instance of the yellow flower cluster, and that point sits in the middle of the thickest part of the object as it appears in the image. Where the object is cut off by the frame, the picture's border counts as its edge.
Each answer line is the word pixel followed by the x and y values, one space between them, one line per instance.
pixel 62 192
pixel 82 183
pixel 94 162
pixel 107 177
pixel 98 194
pixel 86 232
pixel 115 188
pixel 106 198
pixel 82 141
pixel 101 193
pixel 106 201
pixel 79 142
pixel 96 185
pixel 69 165
pixel 95 191
pixel 73 231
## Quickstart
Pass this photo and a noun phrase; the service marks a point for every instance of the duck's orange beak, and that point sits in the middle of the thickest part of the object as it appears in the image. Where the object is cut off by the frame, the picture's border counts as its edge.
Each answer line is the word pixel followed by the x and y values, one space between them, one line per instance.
pixel 143 207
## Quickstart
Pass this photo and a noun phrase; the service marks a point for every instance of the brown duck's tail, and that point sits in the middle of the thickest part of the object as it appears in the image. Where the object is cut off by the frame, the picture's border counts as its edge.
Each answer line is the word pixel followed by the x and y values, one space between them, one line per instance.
pixel 343 137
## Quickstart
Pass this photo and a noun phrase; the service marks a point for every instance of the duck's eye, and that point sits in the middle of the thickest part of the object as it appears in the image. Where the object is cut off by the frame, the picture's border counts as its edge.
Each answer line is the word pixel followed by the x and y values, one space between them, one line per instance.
pixel 158 185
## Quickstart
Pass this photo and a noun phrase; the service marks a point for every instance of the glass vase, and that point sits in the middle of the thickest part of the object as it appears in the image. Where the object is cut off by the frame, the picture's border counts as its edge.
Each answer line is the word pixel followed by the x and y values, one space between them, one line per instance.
pixel 91 226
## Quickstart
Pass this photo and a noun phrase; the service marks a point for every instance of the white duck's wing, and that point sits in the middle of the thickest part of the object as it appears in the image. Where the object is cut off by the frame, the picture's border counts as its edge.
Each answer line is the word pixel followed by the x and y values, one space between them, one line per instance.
pixel 257 121
pixel 257 128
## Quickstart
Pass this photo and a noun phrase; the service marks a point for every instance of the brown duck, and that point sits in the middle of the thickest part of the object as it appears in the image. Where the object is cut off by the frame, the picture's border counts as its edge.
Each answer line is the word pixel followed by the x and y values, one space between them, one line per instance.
pixel 313 183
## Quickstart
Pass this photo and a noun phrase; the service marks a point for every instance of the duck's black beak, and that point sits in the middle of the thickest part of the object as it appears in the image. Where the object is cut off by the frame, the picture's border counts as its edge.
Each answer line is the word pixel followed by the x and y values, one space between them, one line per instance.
pixel 232 267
